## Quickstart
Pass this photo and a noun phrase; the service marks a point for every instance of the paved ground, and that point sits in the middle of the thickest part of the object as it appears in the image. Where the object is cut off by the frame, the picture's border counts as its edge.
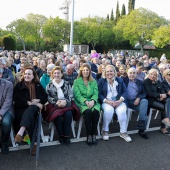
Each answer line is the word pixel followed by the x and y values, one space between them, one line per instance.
pixel 140 154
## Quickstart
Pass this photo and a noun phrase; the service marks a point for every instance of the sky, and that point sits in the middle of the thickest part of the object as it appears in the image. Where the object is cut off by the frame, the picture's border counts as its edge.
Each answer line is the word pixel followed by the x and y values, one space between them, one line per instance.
pixel 16 9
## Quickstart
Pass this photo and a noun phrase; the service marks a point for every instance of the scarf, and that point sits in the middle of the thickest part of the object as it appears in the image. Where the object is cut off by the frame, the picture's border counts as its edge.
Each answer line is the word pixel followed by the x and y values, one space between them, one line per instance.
pixel 58 86
pixel 31 88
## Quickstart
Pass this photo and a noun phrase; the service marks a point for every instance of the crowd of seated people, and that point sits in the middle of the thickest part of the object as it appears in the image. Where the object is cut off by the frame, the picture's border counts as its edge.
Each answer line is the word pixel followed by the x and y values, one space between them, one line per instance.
pixel 93 85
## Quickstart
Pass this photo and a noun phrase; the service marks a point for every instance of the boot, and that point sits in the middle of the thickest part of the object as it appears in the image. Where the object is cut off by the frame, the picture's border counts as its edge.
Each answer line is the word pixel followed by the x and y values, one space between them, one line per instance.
pixel 4 148
pixel 89 140
pixel 142 134
pixel 94 140
pixel 141 125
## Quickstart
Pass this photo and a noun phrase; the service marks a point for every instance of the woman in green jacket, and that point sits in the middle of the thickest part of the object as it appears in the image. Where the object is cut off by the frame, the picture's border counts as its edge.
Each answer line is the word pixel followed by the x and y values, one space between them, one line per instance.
pixel 85 91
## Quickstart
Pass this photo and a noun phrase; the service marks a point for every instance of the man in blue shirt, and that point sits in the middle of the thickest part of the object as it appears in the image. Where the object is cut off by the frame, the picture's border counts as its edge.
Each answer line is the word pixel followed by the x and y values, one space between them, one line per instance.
pixel 136 99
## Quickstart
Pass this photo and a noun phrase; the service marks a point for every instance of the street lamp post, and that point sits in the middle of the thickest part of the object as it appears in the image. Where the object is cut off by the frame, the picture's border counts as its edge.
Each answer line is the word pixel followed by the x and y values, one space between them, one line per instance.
pixel 71 32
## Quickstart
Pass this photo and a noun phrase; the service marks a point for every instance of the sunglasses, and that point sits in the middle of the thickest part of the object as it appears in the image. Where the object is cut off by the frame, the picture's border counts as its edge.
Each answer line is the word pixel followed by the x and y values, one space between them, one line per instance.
pixel 168 74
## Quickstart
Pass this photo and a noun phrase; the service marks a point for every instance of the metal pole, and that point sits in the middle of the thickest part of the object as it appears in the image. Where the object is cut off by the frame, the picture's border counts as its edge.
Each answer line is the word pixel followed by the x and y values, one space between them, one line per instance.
pixel 71 33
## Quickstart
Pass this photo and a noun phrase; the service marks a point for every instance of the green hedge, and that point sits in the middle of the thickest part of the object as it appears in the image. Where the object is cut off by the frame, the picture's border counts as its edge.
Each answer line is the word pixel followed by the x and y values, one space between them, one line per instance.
pixel 158 53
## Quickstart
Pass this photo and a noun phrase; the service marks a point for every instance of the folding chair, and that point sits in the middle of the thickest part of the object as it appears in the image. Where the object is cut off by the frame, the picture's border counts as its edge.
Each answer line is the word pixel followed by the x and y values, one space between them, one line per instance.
pixel 12 138
pixel 149 117
pixel 129 115
pixel 81 122
pixel 52 127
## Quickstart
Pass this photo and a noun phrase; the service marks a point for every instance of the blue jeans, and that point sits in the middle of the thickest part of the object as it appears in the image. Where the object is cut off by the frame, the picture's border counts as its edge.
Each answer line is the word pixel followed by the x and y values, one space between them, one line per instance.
pixel 6 127
pixel 142 107
pixel 167 108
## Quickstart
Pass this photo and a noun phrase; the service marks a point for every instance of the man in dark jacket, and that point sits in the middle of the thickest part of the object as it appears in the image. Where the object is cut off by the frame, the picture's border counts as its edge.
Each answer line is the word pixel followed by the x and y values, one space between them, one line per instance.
pixel 6 112
pixel 136 99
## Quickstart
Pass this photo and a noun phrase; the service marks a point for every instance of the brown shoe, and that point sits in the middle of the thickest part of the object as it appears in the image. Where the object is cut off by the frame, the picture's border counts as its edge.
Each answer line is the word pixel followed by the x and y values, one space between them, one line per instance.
pixel 33 151
pixel 18 139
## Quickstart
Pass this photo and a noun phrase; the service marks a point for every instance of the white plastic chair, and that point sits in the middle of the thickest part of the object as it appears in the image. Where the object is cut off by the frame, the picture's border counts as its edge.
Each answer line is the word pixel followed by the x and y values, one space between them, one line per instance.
pixel 12 138
pixel 80 126
pixel 156 114
pixel 52 127
pixel 149 117
pixel 129 114
pixel 43 137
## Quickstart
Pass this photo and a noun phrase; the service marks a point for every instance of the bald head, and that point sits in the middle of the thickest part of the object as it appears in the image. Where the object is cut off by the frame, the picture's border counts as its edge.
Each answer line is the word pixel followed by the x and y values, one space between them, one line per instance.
pixel 132 74
pixel 69 69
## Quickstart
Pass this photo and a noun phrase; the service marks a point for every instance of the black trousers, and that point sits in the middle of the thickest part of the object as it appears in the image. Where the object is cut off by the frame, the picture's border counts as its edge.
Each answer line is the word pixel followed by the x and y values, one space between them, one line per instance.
pixel 29 119
pixel 91 119
pixel 63 123
pixel 158 105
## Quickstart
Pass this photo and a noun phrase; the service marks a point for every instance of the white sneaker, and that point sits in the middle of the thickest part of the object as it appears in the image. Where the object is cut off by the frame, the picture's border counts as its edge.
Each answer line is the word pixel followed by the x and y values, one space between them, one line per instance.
pixel 105 135
pixel 126 137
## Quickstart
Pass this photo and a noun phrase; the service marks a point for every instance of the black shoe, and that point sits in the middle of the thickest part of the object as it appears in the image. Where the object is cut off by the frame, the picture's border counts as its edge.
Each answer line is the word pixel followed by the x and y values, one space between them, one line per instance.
pixel 141 125
pixel 61 140
pixel 89 140
pixel 94 140
pixel 143 134
pixel 4 148
pixel 67 141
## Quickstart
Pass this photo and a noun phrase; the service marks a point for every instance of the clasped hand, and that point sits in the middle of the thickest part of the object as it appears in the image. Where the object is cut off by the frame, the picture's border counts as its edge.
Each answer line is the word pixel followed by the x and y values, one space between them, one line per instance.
pixel 61 103
pixel 35 102
pixel 115 104
pixel 90 104
pixel 163 96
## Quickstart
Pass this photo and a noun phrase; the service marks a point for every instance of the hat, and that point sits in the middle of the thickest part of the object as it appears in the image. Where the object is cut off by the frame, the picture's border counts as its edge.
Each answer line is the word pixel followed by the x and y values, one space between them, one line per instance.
pixel 95 55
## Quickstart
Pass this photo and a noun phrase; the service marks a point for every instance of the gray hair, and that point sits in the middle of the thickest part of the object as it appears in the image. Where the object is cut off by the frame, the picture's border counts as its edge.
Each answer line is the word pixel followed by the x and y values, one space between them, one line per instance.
pixel 2 61
pixel 50 66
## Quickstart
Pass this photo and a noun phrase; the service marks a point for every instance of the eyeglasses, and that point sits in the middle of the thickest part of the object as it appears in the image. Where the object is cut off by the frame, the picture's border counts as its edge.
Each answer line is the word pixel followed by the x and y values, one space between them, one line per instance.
pixel 168 74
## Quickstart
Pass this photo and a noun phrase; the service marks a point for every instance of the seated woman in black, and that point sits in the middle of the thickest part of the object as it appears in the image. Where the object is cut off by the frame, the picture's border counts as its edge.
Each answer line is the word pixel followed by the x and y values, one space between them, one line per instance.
pixel 29 96
pixel 166 87
pixel 157 98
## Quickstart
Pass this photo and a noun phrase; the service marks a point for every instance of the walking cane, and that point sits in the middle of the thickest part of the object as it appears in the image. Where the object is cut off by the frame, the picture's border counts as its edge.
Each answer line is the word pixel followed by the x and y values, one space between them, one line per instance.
pixel 38 137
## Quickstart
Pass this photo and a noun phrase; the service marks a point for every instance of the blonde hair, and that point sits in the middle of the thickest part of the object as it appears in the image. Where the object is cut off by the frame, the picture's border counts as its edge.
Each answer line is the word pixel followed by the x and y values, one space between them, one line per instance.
pixel 114 70
pixel 100 68
pixel 7 61
pixel 153 70
pixel 166 72
pixel 90 78
pixel 57 68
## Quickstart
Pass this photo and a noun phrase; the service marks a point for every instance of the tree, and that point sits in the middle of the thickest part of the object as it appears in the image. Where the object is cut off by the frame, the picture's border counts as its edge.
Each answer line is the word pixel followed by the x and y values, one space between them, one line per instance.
pixel 130 6
pixel 117 12
pixel 9 42
pixel 123 12
pixel 93 35
pixel 107 17
pixel 161 36
pixel 133 4
pixel 56 31
pixel 95 32
pixel 138 26
pixel 37 21
pixel 112 15
pixel 21 29
pixel 3 32
pixel 107 37
pixel 80 27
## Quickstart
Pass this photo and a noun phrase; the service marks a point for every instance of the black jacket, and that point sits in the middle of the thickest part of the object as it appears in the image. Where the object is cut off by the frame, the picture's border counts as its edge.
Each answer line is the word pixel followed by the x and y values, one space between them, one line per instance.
pixel 21 96
pixel 165 86
pixel 153 90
